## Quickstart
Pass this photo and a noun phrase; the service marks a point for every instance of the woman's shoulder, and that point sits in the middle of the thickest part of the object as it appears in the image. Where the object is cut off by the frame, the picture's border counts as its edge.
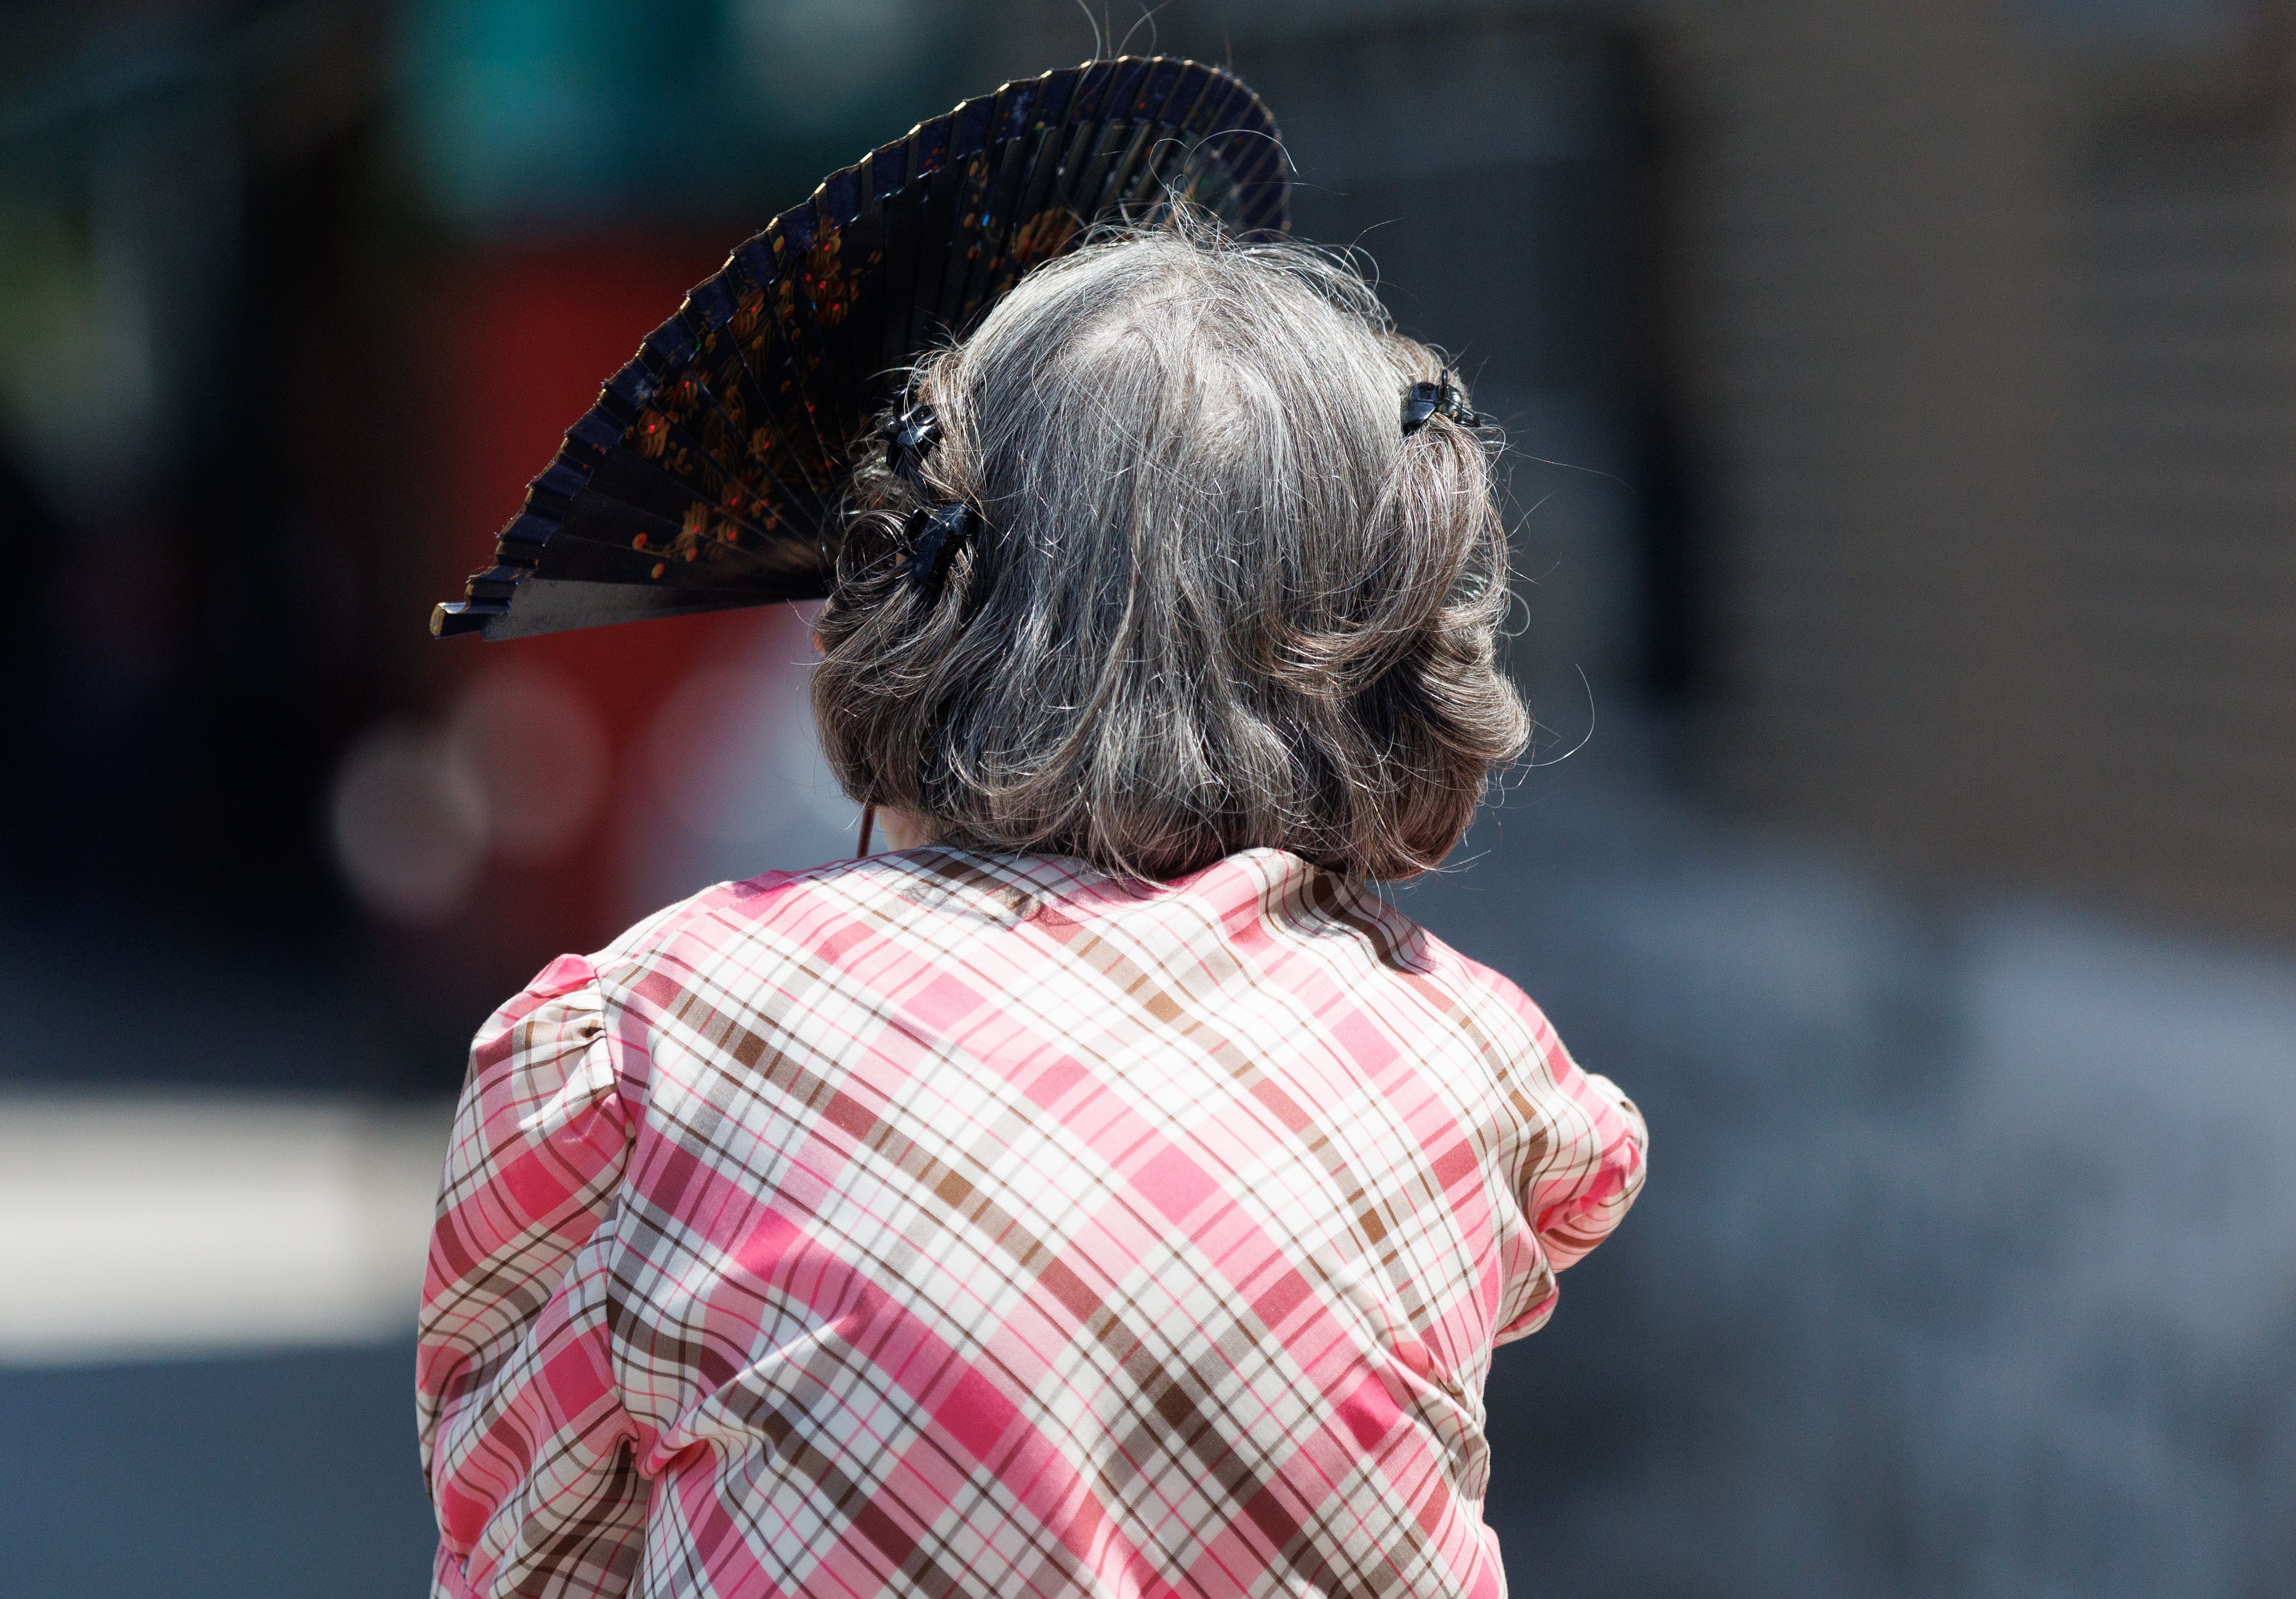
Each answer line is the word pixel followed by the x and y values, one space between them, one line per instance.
pixel 822 909
pixel 1399 942
pixel 926 904
pixel 1485 1007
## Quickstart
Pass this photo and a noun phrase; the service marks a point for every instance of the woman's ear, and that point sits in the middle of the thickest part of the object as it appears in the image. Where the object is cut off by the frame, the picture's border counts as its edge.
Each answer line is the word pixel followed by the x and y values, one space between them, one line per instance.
pixel 820 645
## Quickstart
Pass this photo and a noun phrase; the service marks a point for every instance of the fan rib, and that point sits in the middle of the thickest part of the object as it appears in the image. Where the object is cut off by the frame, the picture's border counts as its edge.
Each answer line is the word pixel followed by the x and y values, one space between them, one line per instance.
pixel 764 379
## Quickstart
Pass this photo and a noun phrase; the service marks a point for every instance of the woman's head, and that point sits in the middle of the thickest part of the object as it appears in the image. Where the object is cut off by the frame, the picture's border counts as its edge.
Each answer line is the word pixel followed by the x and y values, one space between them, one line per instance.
pixel 1218 599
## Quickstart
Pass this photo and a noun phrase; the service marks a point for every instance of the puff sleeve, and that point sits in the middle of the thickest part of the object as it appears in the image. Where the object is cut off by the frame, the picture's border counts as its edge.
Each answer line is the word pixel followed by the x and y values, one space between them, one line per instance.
pixel 526 1449
pixel 1584 1148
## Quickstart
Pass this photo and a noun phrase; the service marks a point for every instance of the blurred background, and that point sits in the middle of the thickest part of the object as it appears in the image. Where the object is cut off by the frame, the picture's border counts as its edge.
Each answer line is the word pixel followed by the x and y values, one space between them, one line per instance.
pixel 1903 403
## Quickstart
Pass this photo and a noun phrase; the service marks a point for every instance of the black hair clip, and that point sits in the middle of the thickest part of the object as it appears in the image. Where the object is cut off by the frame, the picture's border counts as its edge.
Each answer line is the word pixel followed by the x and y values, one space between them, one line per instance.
pixel 935 534
pixel 1423 400
pixel 907 437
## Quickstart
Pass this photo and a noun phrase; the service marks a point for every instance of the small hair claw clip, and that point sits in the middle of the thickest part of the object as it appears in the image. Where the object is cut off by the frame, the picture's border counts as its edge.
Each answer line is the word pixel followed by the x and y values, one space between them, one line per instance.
pixel 935 534
pixel 908 437
pixel 1423 400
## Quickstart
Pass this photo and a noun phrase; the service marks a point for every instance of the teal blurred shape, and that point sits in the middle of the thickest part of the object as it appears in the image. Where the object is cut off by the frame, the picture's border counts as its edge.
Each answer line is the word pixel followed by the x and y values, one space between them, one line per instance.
pixel 552 113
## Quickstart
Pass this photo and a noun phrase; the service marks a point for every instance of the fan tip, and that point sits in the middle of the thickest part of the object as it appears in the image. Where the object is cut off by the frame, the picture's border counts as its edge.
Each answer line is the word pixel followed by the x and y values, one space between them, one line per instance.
pixel 451 618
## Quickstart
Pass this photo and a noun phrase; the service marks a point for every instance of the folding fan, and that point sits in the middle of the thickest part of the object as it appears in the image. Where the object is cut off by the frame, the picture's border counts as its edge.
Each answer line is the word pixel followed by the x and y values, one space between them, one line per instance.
pixel 708 473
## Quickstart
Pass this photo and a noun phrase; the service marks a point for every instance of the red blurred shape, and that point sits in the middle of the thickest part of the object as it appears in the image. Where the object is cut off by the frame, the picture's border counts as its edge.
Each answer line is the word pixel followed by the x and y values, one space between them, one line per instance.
pixel 522 336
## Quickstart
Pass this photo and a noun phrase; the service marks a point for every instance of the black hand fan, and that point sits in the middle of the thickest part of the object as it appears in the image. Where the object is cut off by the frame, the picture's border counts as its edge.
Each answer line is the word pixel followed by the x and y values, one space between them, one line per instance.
pixel 705 476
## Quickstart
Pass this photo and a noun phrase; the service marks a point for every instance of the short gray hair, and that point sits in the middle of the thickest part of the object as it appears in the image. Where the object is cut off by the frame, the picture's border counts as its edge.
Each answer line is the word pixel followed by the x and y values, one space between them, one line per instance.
pixel 1221 600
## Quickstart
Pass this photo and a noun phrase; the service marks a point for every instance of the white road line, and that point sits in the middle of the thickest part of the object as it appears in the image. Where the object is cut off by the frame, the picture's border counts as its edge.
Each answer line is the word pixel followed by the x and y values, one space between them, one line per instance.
pixel 148 1226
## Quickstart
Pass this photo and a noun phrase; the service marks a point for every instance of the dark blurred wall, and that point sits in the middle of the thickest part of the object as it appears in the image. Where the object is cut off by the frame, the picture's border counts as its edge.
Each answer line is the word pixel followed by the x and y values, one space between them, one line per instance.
pixel 1989 311
pixel 1938 351
pixel 2175 500
pixel 193 361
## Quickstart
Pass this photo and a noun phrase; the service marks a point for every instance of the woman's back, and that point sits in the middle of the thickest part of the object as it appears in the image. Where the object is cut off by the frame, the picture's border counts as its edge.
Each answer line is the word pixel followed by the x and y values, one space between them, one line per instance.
pixel 989 1225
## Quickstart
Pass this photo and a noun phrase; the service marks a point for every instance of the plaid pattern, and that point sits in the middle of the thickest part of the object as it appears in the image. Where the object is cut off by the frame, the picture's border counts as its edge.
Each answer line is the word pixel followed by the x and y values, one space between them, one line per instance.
pixel 942 1224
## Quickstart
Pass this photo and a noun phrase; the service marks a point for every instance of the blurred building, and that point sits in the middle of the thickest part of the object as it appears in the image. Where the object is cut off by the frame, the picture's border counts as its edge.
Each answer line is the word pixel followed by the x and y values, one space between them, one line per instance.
pixel 1987 313
pixel 1948 350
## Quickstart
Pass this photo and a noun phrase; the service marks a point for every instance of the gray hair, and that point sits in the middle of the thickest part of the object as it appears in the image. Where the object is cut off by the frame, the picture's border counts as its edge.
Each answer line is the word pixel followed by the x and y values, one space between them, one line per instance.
pixel 1221 600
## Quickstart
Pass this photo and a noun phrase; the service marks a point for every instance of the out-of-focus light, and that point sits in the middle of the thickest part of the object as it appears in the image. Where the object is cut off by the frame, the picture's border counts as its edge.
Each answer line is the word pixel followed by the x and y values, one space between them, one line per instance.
pixel 79 377
pixel 736 760
pixel 730 775
pixel 540 754
pixel 820 62
pixel 410 823
pixel 698 740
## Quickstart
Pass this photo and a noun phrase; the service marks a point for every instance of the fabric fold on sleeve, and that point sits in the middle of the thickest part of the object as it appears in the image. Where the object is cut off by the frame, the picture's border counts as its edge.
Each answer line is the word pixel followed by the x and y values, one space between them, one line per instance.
pixel 1586 1156
pixel 1578 1199
pixel 526 1449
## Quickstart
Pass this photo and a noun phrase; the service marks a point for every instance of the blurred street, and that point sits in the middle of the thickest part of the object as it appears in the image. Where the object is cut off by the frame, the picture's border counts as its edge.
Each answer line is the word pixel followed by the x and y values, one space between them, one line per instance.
pixel 1900 401
pixel 143 1223
pixel 207 1331
pixel 284 1474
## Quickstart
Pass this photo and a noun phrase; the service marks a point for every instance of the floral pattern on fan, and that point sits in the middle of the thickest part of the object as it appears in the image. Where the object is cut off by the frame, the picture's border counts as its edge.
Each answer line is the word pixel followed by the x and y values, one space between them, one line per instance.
pixel 708 473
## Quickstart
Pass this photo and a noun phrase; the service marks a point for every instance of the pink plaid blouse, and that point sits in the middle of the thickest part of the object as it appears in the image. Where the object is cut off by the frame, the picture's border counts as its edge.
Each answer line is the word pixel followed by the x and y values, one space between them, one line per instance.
pixel 941 1226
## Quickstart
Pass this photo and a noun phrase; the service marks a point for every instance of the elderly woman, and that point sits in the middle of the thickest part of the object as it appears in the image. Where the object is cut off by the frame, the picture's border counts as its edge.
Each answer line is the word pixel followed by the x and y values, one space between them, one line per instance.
pixel 1105 1192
